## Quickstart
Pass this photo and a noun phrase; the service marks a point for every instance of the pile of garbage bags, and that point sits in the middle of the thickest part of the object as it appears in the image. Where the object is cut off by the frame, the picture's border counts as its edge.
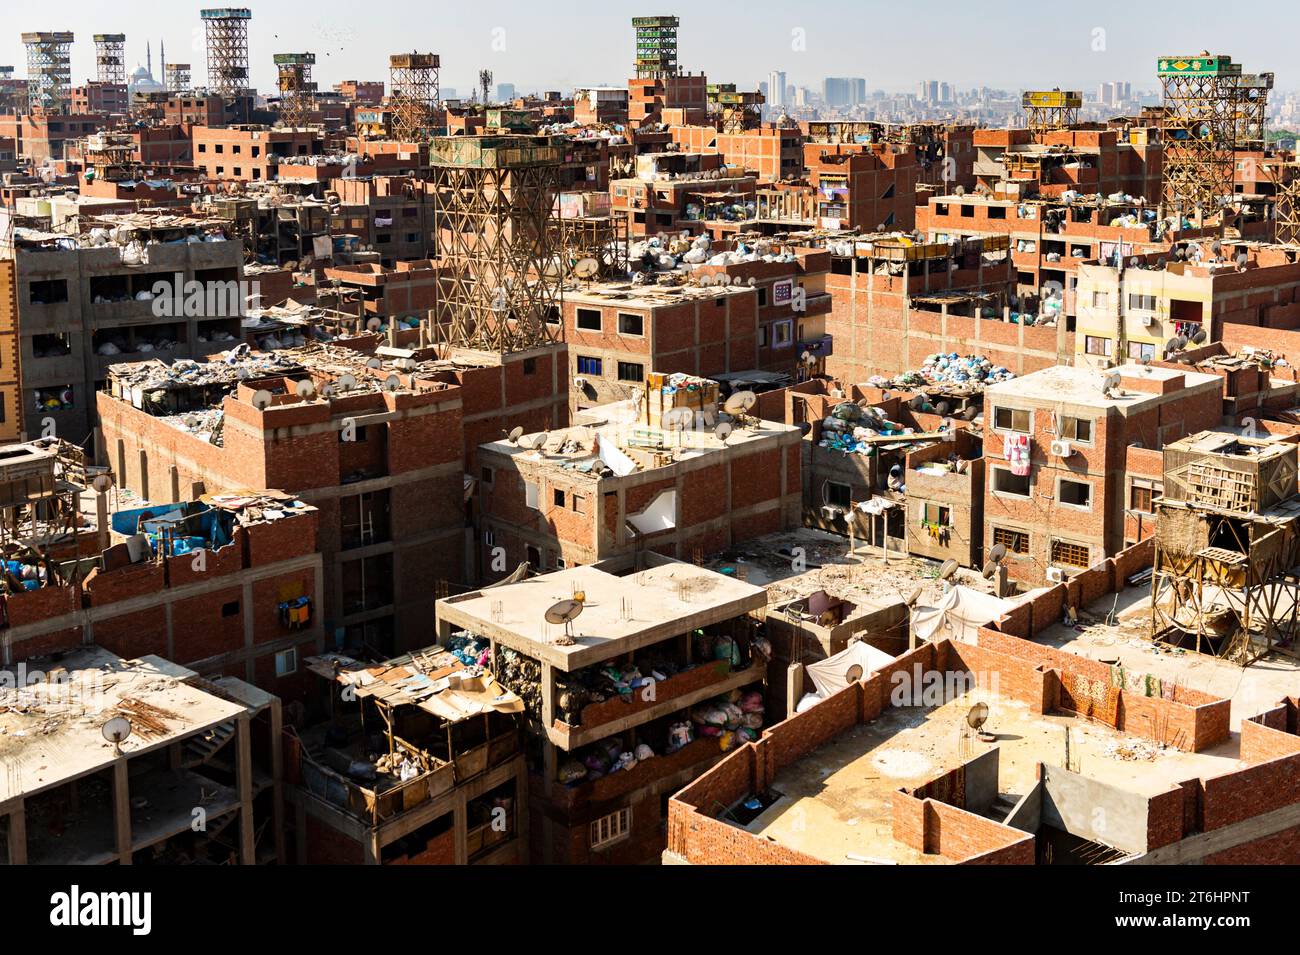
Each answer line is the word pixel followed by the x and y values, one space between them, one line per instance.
pixel 683 252
pixel 848 424
pixel 521 674
pixel 733 719
pixel 950 369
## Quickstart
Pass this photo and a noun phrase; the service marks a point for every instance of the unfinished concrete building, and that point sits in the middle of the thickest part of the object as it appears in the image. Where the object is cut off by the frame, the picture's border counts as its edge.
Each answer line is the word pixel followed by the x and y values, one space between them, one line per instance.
pixel 84 301
pixel 605 751
pixel 1227 540
pixel 191 772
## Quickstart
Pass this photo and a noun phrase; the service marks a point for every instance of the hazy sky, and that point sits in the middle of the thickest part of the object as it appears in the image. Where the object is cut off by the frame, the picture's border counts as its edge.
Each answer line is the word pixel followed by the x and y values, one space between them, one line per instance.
pixel 539 44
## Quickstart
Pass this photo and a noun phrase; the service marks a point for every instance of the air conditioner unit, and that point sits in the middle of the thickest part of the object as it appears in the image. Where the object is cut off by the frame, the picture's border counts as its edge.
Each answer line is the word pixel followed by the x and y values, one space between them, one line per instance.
pixel 1056 575
pixel 832 513
pixel 1148 320
pixel 1061 448
pixel 580 383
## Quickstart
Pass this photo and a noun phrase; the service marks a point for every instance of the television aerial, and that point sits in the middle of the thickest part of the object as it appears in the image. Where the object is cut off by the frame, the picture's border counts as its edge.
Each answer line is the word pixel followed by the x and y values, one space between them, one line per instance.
pixel 564 612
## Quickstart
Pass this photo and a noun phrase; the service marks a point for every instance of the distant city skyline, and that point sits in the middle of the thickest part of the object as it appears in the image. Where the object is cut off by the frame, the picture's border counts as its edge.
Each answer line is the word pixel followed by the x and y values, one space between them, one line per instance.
pixel 524 44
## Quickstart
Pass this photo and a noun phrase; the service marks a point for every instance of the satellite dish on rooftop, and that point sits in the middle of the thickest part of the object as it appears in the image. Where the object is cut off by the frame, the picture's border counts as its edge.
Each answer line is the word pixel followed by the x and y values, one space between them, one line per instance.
pixel 1199 337
pixel 997 554
pixel 723 431
pixel 740 402
pixel 515 434
pixel 375 363
pixel 947 569
pixel 533 441
pixel 978 715
pixel 102 483
pixel 346 382
pixel 305 388
pixel 261 399
pixel 116 731
pixel 392 383
pixel 913 597
pixel 587 268
pixel 373 325
pixel 564 612
pixel 678 419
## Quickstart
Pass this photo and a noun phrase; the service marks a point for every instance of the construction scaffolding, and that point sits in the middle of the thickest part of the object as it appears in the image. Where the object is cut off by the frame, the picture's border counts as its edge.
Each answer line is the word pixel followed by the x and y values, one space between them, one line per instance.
pixel 1286 202
pixel 297 91
pixel 49 71
pixel 656 46
pixel 413 80
pixel 177 77
pixel 110 59
pixel 1198 129
pixel 1227 544
pixel 1252 103
pixel 226 30
pixel 602 239
pixel 1046 110
pixel 501 279
pixel 13 93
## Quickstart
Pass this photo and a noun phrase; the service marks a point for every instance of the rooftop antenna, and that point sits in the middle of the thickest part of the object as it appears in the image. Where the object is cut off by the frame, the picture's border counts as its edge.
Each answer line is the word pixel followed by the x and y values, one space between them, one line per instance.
pixel 564 612
pixel 117 731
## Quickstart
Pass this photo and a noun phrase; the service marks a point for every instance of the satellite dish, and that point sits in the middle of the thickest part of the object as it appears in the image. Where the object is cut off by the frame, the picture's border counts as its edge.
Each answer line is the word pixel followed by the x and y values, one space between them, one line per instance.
pixel 1199 337
pixel 374 363
pixel 305 388
pixel 515 434
pixel 913 597
pixel 373 325
pixel 989 570
pixel 959 191
pixel 678 419
pixel 102 483
pixel 587 268
pixel 854 673
pixel 723 431
pixel 1242 259
pixel 328 389
pixel 740 402
pixel 116 731
pixel 392 383
pixel 948 568
pixel 532 442
pixel 998 553
pixel 261 399
pixel 346 382
pixel 564 611
pixel 978 715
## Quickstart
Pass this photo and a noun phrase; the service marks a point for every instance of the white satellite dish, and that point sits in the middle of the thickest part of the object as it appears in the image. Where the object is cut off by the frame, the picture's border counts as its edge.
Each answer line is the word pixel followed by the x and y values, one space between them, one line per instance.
pixel 587 268
pixel 375 363
pixel 117 731
pixel 740 402
pixel 305 388
pixel 515 434
pixel 102 483
pixel 373 325
pixel 534 441
pixel 723 431
pixel 261 399
pixel 564 612
pixel 392 383
pixel 346 382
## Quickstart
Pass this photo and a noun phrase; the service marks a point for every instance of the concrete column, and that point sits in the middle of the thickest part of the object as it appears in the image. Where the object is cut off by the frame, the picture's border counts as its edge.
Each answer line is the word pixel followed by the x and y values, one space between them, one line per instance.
pixel 18 835
pixel 244 779
pixel 460 823
pixel 793 687
pixel 122 811
pixel 277 775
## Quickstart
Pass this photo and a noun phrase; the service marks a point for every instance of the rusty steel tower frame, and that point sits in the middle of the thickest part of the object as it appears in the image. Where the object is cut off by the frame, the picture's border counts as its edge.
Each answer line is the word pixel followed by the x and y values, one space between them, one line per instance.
pixel 226 32
pixel 177 77
pixel 49 71
pixel 502 284
pixel 413 85
pixel 297 90
pixel 1252 103
pixel 1046 110
pixel 1199 129
pixel 110 58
